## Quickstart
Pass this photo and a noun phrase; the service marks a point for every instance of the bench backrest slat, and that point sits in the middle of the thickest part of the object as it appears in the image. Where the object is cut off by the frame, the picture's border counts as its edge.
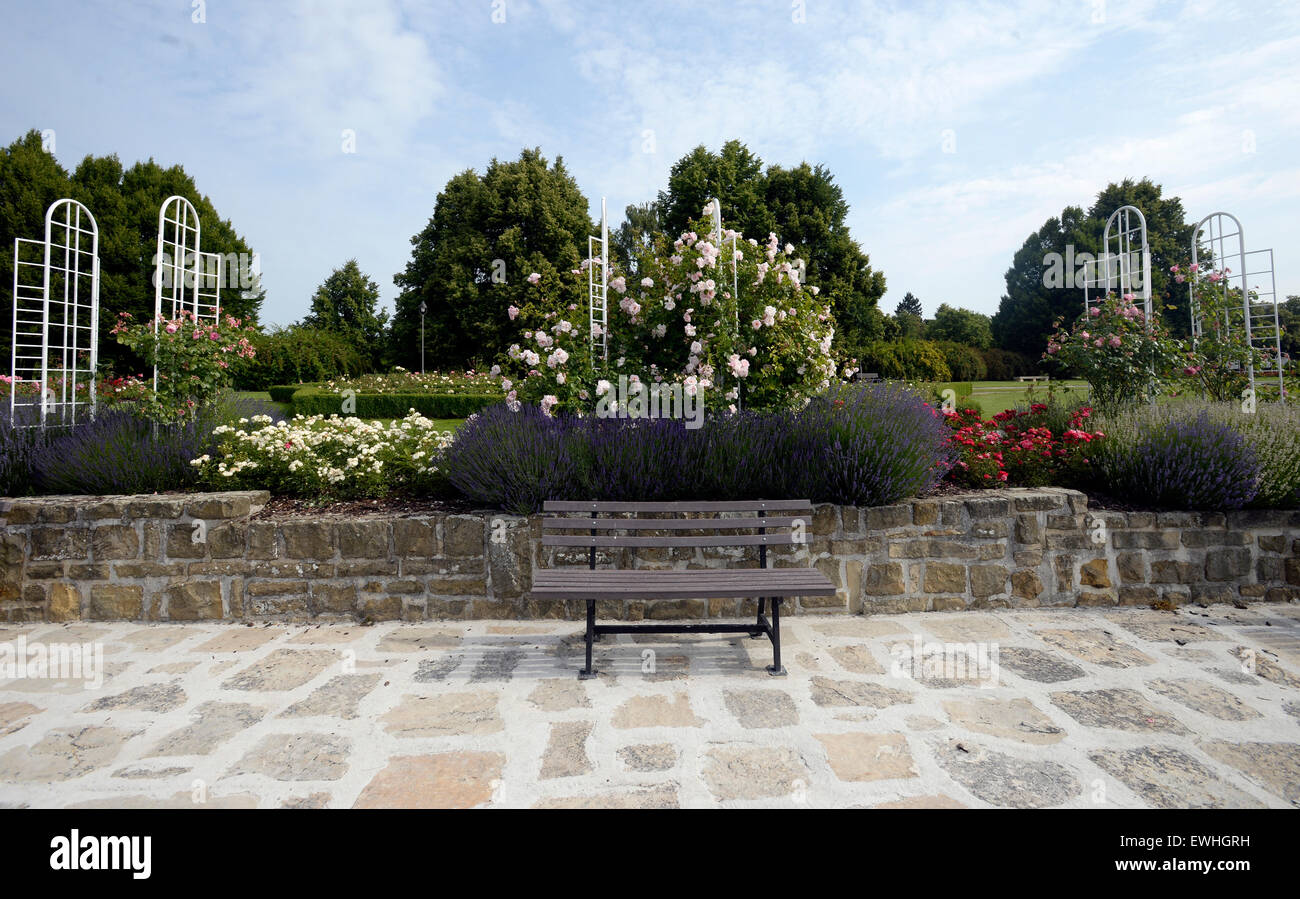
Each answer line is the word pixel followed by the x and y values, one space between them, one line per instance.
pixel 753 505
pixel 670 524
pixel 612 540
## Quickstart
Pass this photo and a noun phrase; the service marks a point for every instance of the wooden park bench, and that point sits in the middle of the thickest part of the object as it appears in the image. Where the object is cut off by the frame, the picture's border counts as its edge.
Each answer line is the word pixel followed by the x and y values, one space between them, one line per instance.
pixel 592 585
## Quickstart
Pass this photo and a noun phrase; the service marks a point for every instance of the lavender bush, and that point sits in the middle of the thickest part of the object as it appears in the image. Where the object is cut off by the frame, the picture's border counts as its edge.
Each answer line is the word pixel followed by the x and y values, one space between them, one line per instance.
pixel 121 451
pixel 20 443
pixel 869 445
pixel 1172 460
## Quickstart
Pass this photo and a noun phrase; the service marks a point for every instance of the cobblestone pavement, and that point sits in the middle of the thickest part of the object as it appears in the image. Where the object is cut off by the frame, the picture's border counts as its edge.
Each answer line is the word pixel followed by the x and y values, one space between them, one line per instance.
pixel 1069 708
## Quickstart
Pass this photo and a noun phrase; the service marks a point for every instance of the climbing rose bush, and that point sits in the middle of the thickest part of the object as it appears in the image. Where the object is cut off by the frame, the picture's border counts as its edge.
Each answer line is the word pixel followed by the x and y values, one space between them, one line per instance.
pixel 1218 362
pixel 332 458
pixel 1124 358
pixel 193 359
pixel 678 321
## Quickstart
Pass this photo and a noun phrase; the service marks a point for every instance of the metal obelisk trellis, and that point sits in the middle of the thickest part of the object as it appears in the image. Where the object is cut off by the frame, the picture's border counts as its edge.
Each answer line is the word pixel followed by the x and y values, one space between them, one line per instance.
pixel 186 277
pixel 1226 242
pixel 55 348
pixel 1125 261
pixel 598 289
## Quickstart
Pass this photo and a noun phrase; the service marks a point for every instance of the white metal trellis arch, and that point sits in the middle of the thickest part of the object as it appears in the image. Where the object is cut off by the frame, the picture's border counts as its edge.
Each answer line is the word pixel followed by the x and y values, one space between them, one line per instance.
pixel 185 278
pixel 598 289
pixel 55 348
pixel 1125 261
pixel 1226 242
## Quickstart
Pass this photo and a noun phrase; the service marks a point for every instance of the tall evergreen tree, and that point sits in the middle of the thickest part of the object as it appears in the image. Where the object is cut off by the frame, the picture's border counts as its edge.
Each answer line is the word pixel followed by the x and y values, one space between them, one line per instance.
pixel 471 262
pixel 347 304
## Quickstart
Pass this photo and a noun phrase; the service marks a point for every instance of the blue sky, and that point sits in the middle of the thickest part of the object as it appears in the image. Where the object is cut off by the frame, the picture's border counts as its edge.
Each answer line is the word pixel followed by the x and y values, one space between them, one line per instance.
pixel 1042 104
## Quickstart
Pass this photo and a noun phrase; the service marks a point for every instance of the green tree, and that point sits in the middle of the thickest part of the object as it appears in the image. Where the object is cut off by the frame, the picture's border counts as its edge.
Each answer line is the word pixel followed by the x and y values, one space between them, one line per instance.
pixel 909 304
pixel 125 205
pixel 471 262
pixel 802 205
pixel 1044 282
pixel 347 304
pixel 635 235
pixel 960 326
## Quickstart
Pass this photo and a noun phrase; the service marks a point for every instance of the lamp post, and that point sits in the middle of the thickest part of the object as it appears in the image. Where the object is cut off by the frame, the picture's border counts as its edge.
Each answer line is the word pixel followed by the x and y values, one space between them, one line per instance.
pixel 423 309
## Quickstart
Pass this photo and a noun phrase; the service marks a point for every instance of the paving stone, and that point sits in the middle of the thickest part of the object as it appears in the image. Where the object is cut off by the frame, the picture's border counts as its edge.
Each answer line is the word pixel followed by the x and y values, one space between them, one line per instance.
pixel 14 716
pixel 419 639
pixel 446 714
pixel 859 757
pixel 1097 646
pixel 1006 780
pixel 328 636
pixel 147 698
pixel 1166 777
pixel 283 669
pixel 337 699
pixel 1164 626
pixel 214 723
pixel 174 668
pixel 655 711
pixel 566 750
pixel 436 669
pixel 496 665
pixel 242 639
pixel 761 708
pixel 158 637
pixel 1119 708
pixel 139 772
pixel 1275 766
pixel 856 659
pixel 1257 662
pixel 184 799
pixel 664 667
pixel 315 800
pixel 753 772
pixel 560 695
pixel 63 754
pixel 923 722
pixel 938 800
pixel 1205 698
pixel 444 780
pixel 832 693
pixel 968 629
pixel 1012 719
pixel 650 797
pixel 294 757
pixel 858 627
pixel 1038 665
pixel 649 756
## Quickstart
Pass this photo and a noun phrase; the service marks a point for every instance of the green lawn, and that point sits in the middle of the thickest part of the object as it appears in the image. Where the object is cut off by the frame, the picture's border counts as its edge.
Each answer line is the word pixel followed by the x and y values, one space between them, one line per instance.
pixel 994 396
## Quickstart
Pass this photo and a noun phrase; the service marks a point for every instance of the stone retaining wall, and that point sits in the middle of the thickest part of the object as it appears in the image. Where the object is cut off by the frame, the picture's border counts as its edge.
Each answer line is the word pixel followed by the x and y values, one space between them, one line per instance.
pixel 204 556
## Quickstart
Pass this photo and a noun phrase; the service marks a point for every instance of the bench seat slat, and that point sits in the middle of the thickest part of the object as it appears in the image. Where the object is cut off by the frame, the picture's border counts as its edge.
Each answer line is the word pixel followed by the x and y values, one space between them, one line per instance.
pixel 753 505
pixel 615 540
pixel 701 584
pixel 669 524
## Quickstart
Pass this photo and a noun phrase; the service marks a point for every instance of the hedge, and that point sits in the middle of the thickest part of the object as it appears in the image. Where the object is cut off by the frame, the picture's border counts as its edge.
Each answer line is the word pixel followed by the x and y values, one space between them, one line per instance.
pixel 283 393
pixel 314 401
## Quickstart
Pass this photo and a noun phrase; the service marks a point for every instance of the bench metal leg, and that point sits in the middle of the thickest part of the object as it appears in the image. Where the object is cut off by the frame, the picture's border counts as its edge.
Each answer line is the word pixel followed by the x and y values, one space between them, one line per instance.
pixel 588 671
pixel 759 620
pixel 776 669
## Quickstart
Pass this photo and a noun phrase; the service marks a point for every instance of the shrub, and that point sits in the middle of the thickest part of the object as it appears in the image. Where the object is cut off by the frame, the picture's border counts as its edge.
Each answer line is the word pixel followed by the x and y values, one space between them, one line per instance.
pixel 1032 447
pixel 330 458
pixel 515 460
pixel 296 355
pixel 869 445
pixel 22 440
pixel 317 401
pixel 1005 365
pixel 124 451
pixel 1168 458
pixel 192 359
pixel 283 393
pixel 965 363
pixel 906 360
